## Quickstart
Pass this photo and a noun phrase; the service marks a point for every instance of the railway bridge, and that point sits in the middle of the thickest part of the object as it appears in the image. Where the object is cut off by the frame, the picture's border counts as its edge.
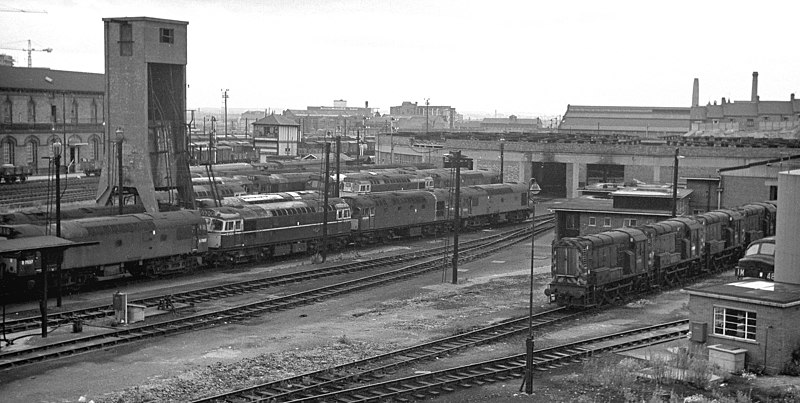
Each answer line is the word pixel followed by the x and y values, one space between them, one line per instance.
pixel 562 168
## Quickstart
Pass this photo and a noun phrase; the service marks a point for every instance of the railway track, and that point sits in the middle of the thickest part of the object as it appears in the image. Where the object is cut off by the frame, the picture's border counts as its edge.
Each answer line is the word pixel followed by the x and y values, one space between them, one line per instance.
pixel 78 345
pixel 16 325
pixel 429 385
pixel 38 192
pixel 373 368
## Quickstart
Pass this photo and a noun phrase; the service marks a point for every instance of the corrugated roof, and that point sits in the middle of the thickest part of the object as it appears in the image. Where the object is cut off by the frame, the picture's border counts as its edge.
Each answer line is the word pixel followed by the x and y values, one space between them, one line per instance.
pixel 42 79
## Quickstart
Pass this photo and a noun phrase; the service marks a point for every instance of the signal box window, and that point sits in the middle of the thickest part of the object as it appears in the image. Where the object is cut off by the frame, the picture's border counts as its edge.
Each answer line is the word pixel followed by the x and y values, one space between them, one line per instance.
pixel 167 35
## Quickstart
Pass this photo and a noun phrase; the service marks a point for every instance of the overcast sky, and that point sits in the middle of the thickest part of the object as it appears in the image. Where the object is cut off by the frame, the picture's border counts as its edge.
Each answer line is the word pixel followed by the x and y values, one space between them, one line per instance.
pixel 529 58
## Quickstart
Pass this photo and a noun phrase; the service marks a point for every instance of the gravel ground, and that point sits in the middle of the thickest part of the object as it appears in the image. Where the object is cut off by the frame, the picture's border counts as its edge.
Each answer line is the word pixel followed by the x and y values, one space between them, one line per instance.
pixel 339 330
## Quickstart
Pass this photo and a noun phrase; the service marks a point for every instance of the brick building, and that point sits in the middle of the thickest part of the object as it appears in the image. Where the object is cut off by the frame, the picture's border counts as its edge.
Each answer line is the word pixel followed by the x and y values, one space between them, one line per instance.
pixel 752 115
pixel 626 208
pixel 759 179
pixel 425 117
pixel 39 106
pixel 338 120
pixel 751 315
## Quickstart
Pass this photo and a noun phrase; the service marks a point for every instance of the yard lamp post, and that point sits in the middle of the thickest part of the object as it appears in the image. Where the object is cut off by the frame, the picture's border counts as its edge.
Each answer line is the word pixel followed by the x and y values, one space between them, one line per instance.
pixel 533 189
pixel 57 165
pixel 120 138
pixel 502 149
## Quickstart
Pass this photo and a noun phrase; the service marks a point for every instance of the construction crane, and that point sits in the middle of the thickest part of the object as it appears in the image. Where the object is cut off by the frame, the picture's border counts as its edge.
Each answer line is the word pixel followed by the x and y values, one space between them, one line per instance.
pixel 29 50
pixel 19 10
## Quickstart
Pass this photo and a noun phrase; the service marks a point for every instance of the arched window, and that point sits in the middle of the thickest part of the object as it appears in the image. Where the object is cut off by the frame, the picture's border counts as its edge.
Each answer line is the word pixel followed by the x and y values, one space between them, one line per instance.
pixel 74 112
pixel 95 144
pixel 93 111
pixel 8 146
pixel 33 154
pixel 31 111
pixel 7 110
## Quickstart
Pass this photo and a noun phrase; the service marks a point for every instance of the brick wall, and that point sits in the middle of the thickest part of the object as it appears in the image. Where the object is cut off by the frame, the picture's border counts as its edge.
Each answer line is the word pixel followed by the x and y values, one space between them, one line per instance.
pixel 775 341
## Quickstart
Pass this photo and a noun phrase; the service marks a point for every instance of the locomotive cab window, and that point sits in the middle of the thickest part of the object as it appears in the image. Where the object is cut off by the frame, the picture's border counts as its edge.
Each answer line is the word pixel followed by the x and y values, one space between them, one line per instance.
pixel 215 225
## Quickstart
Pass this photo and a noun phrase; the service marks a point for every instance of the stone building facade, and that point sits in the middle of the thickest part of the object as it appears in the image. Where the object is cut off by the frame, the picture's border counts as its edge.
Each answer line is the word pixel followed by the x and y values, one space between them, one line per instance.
pixel 39 106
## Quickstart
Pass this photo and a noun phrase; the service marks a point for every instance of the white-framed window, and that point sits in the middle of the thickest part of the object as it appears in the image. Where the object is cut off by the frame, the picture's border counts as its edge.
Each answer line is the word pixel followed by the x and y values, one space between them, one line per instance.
pixel 592 222
pixel 736 323
pixel 606 221
pixel 629 222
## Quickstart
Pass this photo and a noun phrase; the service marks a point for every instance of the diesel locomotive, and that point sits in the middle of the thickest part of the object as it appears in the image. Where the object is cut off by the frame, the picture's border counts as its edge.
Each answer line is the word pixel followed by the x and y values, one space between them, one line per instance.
pixel 257 227
pixel 600 269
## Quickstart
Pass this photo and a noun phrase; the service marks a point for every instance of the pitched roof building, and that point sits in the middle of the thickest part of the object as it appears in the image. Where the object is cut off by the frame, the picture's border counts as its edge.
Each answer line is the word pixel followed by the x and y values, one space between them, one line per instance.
pixel 644 121
pixel 276 135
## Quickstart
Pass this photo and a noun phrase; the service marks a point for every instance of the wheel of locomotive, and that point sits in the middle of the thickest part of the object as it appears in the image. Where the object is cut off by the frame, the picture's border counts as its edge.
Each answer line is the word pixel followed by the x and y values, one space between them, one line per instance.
pixel 134 269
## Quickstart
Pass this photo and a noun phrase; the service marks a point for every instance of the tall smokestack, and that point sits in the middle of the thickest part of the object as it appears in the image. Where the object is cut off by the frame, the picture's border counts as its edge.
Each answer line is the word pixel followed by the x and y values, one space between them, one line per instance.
pixel 696 93
pixel 754 94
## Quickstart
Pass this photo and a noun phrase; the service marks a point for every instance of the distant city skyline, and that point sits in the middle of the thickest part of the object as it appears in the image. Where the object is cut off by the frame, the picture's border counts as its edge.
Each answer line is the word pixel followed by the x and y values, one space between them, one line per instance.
pixel 510 57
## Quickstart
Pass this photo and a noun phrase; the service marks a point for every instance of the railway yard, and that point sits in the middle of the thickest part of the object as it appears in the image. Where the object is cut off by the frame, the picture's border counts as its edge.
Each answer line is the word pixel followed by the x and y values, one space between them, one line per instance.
pixel 378 323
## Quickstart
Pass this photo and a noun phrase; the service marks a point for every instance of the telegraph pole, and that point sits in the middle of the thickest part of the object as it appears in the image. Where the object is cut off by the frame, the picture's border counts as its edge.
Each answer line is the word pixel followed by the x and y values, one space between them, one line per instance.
pixel 324 251
pixel 427 114
pixel 225 98
pixel 457 219
pixel 338 164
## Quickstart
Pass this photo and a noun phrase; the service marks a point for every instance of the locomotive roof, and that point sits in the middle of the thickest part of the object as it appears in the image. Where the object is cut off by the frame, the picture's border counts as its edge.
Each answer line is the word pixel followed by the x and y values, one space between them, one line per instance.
pixel 500 188
pixel 401 196
pixel 760 292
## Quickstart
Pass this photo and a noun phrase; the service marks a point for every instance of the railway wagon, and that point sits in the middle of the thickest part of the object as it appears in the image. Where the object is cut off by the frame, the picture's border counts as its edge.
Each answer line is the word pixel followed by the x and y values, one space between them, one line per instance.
pixel 602 268
pixel 139 244
pixel 13 174
pixel 256 231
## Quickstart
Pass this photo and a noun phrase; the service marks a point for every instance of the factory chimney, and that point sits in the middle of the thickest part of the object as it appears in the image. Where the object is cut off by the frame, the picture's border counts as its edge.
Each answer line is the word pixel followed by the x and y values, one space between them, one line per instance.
pixel 754 94
pixel 696 93
pixel 787 255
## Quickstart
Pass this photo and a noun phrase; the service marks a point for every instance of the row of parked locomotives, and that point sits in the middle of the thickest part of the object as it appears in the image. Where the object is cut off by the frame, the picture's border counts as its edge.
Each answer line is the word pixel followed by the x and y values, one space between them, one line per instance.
pixel 137 244
pixel 256 230
pixel 259 227
pixel 599 269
